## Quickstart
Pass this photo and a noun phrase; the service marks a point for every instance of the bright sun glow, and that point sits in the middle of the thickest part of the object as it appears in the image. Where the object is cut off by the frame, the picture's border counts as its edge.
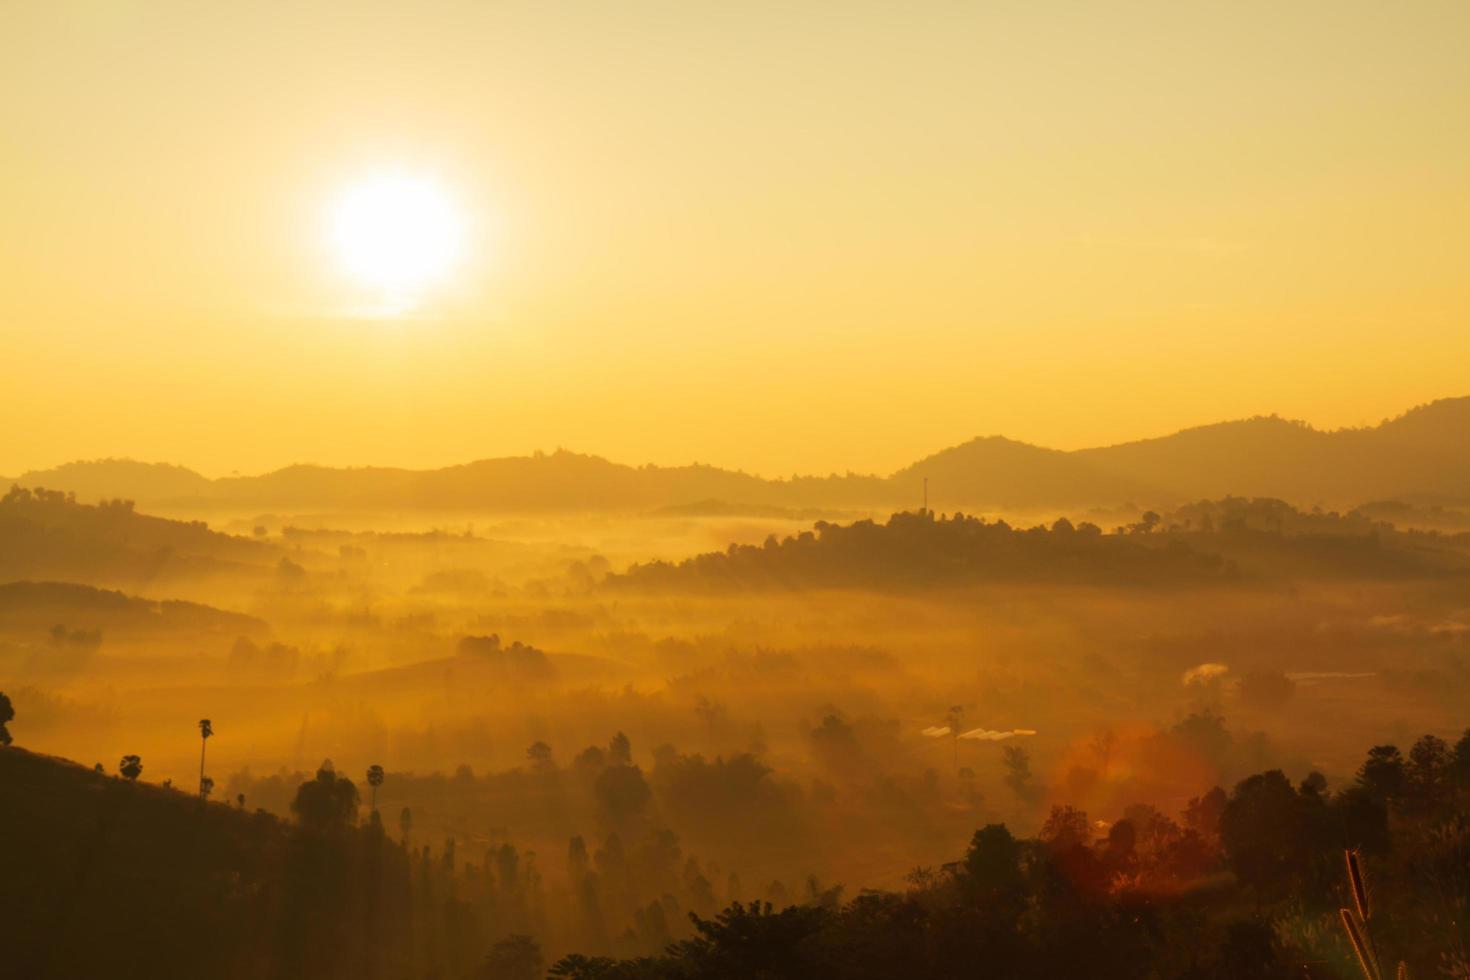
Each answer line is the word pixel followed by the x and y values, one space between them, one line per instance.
pixel 398 235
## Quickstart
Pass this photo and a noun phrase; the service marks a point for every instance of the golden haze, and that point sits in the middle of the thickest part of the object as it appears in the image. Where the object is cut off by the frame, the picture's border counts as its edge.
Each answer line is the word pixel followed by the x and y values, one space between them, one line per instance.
pixel 693 225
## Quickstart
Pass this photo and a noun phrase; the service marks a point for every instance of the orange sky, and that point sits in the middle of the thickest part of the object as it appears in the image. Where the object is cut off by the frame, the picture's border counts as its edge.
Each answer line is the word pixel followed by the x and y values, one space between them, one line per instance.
pixel 777 236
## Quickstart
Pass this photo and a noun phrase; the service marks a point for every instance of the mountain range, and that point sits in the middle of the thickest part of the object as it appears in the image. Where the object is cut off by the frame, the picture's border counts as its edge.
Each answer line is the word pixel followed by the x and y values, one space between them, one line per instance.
pixel 1423 454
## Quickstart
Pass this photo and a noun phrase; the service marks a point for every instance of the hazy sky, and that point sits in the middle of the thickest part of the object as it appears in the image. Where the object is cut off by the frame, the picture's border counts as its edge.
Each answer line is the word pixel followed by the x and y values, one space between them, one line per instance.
pixel 781 236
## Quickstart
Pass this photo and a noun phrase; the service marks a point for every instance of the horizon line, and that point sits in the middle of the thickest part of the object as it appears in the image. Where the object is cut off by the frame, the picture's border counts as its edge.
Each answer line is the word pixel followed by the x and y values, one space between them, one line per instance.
pixel 541 453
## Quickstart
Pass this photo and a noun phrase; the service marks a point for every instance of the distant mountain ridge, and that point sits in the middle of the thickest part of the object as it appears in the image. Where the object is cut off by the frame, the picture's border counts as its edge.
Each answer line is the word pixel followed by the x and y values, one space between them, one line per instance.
pixel 1424 453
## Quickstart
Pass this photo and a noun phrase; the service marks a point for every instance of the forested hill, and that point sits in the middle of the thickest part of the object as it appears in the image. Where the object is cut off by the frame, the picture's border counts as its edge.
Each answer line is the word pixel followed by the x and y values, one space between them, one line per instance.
pixel 38 605
pixel 47 534
pixel 914 549
pixel 109 877
pixel 1210 541
pixel 1423 453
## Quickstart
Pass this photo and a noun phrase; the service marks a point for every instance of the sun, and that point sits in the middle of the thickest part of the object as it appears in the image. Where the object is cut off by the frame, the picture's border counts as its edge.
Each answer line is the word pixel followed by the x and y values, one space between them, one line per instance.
pixel 398 235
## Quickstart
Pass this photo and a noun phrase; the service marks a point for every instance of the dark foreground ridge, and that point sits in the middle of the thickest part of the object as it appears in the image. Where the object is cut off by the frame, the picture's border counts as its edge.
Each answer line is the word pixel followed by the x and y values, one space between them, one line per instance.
pixel 108 877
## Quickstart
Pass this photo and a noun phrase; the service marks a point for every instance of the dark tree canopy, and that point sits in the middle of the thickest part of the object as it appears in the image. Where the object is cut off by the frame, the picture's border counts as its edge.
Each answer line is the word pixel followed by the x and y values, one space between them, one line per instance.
pixel 328 802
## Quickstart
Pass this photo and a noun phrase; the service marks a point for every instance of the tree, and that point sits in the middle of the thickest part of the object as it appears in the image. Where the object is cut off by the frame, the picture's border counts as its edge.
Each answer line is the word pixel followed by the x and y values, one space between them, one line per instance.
pixel 1427 774
pixel 205 731
pixel 753 941
pixel 1383 774
pixel 516 957
pixel 539 755
pixel 1205 733
pixel 1018 770
pixel 326 803
pixel 7 713
pixel 993 869
pixel 620 750
pixel 131 767
pixel 1261 830
pixel 622 792
pixel 375 779
pixel 206 786
pixel 954 720
pixel 405 823
pixel 1065 827
pixel 1459 763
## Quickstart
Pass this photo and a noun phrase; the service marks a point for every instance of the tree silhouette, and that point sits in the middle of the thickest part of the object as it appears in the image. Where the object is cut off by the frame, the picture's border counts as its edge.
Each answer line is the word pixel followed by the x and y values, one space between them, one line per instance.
pixel 622 793
pixel 405 823
pixel 516 957
pixel 1018 770
pixel 7 712
pixel 539 755
pixel 131 767
pixel 1384 773
pixel 1261 829
pixel 375 779
pixel 620 750
pixel 954 720
pixel 205 730
pixel 993 869
pixel 328 802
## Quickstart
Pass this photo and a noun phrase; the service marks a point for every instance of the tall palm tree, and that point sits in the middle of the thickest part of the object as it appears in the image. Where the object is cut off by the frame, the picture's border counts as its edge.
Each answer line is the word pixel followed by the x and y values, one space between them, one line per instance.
pixel 375 779
pixel 954 719
pixel 205 730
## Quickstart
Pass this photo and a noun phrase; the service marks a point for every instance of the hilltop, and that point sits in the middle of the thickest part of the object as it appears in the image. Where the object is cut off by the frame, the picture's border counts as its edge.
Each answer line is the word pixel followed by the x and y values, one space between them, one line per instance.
pixel 48 534
pixel 120 878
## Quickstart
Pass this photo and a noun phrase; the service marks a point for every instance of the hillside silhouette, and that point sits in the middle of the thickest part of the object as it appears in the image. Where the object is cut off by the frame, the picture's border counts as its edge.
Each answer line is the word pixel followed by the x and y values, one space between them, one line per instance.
pixel 42 604
pixel 919 549
pixel 121 878
pixel 1424 453
pixel 1210 541
pixel 1229 884
pixel 48 534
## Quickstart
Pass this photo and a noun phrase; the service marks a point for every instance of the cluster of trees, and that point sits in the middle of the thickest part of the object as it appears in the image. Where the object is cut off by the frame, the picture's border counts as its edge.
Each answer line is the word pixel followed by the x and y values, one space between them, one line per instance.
pixel 915 549
pixel 516 659
pixel 1239 884
pixel 1245 884
pixel 1209 541
pixel 1271 536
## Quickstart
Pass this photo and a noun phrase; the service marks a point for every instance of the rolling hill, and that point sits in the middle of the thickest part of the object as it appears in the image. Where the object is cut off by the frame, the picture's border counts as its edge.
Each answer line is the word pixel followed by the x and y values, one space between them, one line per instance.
pixel 38 605
pixel 1422 454
pixel 45 534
